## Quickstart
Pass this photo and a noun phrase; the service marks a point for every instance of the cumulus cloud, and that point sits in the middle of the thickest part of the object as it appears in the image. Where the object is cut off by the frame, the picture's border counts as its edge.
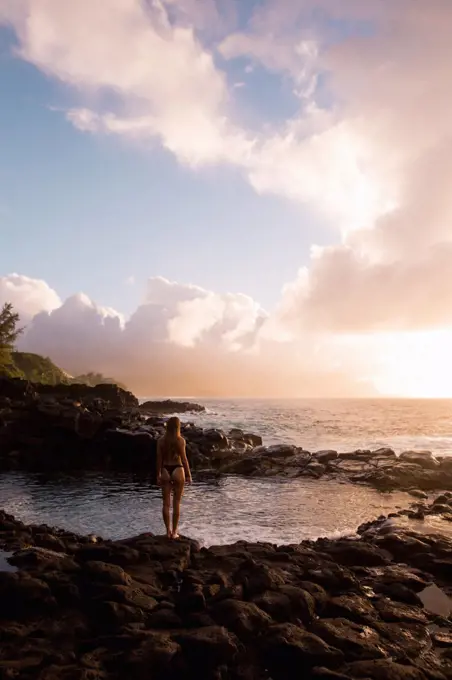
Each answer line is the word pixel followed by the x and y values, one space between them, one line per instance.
pixel 165 83
pixel 182 340
pixel 28 296
pixel 379 158
pixel 375 159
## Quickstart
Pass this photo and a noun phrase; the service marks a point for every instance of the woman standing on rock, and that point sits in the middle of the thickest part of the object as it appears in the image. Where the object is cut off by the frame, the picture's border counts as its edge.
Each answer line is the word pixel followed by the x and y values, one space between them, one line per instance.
pixel 172 472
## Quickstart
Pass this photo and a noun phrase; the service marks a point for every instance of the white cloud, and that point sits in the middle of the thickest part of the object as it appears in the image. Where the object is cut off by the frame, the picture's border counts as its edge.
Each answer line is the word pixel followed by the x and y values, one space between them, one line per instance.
pixel 376 161
pixel 166 84
pixel 182 340
pixel 28 296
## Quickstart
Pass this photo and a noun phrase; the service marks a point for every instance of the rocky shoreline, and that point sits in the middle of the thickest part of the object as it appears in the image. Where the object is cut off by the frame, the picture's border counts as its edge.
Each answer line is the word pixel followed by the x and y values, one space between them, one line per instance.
pixel 75 427
pixel 364 607
pixel 170 406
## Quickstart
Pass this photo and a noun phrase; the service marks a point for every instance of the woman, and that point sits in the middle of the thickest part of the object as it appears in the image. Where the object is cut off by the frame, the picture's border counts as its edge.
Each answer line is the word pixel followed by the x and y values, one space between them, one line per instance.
pixel 172 471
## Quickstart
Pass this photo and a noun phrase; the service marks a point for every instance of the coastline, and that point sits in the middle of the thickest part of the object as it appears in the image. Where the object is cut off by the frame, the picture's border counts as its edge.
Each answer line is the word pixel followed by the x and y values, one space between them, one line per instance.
pixel 62 428
pixel 361 607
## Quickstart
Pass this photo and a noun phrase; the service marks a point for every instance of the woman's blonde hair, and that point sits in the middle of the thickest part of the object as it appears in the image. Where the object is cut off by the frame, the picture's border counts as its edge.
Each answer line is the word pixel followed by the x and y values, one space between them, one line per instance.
pixel 173 428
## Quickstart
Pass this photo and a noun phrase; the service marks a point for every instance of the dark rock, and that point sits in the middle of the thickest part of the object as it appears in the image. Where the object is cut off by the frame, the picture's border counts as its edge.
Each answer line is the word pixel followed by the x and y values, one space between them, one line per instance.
pixel 328 674
pixel 357 642
pixel 170 406
pixel 111 615
pixel 105 573
pixel 417 493
pixel 360 454
pixel 395 611
pixel 214 645
pixel 286 646
pixel 23 597
pixel 357 553
pixel 325 457
pixel 288 604
pixel 145 606
pixel 383 669
pixel 423 458
pixel 245 619
pixel 352 607
pixel 315 469
pixel 159 652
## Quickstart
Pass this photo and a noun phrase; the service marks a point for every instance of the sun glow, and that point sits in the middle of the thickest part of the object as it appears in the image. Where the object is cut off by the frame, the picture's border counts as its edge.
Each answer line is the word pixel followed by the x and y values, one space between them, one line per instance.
pixel 416 364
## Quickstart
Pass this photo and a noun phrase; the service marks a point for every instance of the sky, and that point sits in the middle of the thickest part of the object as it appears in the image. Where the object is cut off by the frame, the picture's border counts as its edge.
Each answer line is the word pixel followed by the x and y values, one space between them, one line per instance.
pixel 231 198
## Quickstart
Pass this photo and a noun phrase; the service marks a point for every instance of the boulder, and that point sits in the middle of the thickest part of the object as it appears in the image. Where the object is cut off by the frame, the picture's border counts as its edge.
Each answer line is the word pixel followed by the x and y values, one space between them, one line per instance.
pixel 423 458
pixel 326 456
pixel 287 646
pixel 168 406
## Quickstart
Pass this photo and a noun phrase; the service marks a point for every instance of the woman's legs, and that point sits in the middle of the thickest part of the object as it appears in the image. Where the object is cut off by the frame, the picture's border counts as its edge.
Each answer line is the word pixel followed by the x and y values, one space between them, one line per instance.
pixel 166 497
pixel 178 481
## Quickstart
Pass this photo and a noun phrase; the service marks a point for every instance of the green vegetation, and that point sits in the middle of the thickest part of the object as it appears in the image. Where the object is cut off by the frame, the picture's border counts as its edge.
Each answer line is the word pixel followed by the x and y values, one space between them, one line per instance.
pixel 38 369
pixel 34 367
pixel 9 332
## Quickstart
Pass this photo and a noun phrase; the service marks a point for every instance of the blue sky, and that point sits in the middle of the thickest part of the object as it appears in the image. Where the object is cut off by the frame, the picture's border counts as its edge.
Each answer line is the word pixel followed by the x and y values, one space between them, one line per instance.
pixel 214 144
pixel 86 212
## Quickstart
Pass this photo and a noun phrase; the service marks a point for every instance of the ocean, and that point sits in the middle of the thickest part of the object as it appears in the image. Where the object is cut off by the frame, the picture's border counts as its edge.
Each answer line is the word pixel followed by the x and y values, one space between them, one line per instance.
pixel 233 508
pixel 340 424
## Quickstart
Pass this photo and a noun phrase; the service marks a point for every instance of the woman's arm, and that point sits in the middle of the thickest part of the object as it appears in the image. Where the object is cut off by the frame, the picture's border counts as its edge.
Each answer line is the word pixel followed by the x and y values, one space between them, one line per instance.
pixel 185 462
pixel 159 460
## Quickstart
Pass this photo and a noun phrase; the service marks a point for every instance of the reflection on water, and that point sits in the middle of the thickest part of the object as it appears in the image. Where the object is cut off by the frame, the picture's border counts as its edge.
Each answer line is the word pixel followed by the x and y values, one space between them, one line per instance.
pixel 217 511
pixel 342 424
pixel 4 564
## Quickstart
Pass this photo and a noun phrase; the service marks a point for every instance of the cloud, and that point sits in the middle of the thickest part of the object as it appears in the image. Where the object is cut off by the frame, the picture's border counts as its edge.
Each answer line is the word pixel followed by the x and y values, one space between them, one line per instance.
pixel 379 158
pixel 164 82
pixel 28 296
pixel 369 147
pixel 182 340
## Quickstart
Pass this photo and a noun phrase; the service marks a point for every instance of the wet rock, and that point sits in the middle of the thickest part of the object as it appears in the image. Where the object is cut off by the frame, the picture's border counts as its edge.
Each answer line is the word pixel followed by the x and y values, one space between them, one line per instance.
pixel 287 604
pixel 351 607
pixel 164 619
pixel 328 674
pixel 357 642
pixel 256 578
pixel 360 454
pixel 384 452
pixel 351 552
pixel 326 456
pixel 287 646
pixel 423 458
pixel 157 651
pixel 245 619
pixel 315 469
pixel 40 558
pixel 417 493
pixel 215 645
pixel 404 642
pixel 23 597
pixel 169 406
pixel 391 611
pixel 244 611
pixel 105 573
pixel 278 451
pixel 252 439
pixel 383 669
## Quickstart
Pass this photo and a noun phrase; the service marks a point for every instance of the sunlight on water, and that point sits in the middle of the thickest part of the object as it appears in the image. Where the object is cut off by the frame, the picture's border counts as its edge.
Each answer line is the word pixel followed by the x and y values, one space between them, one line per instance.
pixel 341 424
pixel 220 511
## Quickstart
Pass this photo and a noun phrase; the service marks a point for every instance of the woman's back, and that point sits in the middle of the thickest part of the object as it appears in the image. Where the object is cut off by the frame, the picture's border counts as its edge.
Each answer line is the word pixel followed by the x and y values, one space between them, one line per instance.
pixel 171 450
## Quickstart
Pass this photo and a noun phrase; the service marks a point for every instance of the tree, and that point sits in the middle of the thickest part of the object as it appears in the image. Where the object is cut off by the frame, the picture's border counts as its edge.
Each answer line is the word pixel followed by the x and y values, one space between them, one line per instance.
pixel 9 332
